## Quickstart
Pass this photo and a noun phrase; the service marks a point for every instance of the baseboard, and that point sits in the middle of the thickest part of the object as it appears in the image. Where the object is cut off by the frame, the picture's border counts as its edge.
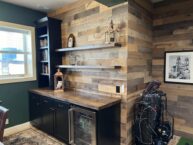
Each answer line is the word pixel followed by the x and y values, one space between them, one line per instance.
pixel 18 128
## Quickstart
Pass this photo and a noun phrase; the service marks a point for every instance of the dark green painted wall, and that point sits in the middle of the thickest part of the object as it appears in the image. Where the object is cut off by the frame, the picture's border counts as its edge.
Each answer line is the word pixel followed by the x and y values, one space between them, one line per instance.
pixel 15 95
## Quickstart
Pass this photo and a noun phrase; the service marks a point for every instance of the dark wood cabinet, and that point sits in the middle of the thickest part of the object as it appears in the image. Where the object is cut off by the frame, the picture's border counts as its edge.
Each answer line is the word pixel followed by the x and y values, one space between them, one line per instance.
pixel 34 107
pixel 61 121
pixel 48 39
pixel 47 111
pixel 52 116
pixel 49 115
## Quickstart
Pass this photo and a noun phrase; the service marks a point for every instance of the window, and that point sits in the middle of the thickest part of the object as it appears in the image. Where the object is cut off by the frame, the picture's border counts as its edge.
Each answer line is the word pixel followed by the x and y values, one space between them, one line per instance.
pixel 17 53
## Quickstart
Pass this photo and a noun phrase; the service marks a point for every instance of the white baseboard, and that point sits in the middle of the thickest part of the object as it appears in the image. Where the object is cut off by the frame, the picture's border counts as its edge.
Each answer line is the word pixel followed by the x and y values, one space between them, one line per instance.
pixel 18 128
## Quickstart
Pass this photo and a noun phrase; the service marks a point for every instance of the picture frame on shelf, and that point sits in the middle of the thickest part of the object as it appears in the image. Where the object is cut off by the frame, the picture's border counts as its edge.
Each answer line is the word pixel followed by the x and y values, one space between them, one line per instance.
pixel 178 67
pixel 71 41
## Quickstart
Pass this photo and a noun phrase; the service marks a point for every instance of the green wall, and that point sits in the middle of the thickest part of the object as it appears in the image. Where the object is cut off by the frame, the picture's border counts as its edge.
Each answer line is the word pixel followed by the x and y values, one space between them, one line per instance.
pixel 15 95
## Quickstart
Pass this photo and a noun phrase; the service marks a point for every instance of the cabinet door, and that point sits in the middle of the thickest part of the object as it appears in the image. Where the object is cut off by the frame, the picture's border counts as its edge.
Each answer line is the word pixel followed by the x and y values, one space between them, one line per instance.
pixel 61 121
pixel 35 110
pixel 47 115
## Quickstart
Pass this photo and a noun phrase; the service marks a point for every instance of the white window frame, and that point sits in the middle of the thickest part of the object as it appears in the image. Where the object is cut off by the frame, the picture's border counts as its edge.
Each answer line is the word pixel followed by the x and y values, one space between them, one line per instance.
pixel 33 46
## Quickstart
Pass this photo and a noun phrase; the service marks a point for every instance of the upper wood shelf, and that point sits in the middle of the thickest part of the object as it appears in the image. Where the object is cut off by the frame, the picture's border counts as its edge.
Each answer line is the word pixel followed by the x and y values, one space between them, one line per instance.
pixel 89 47
pixel 42 36
pixel 89 67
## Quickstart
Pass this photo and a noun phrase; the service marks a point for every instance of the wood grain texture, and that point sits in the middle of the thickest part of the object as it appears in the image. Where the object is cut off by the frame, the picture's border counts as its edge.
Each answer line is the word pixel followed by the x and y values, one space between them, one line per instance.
pixel 173 23
pixel 88 23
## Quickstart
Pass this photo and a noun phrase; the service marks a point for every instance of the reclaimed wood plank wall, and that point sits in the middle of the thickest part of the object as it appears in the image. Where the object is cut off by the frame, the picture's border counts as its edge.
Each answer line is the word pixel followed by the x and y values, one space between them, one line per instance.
pixel 173 31
pixel 88 22
pixel 139 59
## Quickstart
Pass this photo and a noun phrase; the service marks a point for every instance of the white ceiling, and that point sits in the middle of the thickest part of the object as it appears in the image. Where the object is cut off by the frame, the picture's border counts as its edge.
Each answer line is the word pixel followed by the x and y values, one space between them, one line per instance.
pixel 41 5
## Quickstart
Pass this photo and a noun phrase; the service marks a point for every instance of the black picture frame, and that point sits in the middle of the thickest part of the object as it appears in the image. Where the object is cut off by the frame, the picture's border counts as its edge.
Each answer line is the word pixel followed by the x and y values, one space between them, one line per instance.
pixel 180 75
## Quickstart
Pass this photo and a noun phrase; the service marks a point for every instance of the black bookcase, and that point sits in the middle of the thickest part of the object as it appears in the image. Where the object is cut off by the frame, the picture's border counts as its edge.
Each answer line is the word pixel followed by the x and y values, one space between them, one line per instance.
pixel 48 39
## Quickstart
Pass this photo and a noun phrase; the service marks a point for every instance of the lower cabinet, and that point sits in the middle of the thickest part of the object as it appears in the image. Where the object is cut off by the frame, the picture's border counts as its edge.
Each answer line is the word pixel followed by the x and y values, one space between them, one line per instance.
pixel 73 124
pixel 61 129
pixel 50 116
pixel 47 115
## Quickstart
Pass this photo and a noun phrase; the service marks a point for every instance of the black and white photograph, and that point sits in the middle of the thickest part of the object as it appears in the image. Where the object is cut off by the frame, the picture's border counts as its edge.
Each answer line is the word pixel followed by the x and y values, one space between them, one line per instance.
pixel 178 67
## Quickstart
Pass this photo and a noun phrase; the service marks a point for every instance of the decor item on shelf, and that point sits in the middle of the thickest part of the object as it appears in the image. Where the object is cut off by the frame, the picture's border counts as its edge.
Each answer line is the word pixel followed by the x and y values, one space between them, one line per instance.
pixel 45 55
pixel 41 43
pixel 58 80
pixel 45 69
pixel 76 60
pixel 72 59
pixel 179 67
pixel 110 34
pixel 45 42
pixel 71 41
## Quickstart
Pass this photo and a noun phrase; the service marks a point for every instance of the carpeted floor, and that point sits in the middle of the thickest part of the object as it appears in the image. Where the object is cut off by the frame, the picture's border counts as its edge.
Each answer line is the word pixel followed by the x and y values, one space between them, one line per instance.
pixel 180 141
pixel 31 137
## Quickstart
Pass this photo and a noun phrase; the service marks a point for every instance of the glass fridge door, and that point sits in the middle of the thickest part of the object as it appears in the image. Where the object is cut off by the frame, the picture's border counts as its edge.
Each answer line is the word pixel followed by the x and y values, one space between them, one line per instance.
pixel 82 127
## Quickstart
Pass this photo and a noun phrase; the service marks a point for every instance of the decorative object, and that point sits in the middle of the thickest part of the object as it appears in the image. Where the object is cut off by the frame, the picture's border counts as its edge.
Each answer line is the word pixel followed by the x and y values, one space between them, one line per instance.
pixel 45 42
pixel 72 59
pixel 58 80
pixel 110 34
pixel 41 43
pixel 179 67
pixel 71 41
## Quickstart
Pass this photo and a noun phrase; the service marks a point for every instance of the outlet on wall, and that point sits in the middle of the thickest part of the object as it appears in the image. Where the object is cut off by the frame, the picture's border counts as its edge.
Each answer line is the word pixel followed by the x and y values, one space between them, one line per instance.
pixel 120 89
pixel 7 121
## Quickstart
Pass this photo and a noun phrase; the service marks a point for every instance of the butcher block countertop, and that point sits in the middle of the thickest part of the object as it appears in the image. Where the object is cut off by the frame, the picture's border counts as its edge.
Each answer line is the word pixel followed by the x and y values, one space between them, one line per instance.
pixel 88 101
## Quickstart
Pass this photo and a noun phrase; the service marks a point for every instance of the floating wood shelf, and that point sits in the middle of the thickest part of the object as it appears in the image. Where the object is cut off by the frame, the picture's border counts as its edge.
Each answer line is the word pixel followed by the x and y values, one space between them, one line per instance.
pixel 44 74
pixel 45 47
pixel 42 36
pixel 89 47
pixel 89 67
pixel 44 61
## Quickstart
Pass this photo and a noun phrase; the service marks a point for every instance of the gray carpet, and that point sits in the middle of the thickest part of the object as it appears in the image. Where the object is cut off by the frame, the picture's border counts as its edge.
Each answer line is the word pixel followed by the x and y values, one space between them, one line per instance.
pixel 31 137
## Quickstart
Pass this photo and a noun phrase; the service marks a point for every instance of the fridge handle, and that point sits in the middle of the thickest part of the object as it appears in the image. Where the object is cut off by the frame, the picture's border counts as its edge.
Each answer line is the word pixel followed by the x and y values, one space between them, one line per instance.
pixel 70 119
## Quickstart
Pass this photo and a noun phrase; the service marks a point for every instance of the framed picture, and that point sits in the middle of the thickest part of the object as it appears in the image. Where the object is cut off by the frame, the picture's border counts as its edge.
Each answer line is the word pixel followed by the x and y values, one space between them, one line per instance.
pixel 71 41
pixel 179 67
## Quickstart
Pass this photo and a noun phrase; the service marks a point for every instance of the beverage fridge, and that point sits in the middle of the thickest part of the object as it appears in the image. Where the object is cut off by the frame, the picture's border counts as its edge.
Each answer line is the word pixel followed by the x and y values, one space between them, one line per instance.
pixel 82 126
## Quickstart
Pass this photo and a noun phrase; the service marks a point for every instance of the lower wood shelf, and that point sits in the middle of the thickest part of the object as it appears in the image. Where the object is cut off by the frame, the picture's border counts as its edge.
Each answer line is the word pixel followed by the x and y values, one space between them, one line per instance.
pixel 89 67
pixel 44 74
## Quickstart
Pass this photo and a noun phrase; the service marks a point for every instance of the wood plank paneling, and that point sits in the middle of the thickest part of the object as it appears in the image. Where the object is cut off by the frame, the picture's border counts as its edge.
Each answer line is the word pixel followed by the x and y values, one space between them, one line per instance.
pixel 173 23
pixel 88 22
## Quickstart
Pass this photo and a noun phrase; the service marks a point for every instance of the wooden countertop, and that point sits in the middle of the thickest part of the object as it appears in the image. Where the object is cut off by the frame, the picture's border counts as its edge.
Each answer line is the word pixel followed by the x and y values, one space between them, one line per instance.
pixel 88 101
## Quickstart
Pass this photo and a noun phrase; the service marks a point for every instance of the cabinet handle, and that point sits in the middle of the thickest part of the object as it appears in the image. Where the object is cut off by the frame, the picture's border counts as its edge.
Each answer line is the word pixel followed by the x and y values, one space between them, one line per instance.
pixel 52 109
pixel 70 122
pixel 60 106
pixel 45 101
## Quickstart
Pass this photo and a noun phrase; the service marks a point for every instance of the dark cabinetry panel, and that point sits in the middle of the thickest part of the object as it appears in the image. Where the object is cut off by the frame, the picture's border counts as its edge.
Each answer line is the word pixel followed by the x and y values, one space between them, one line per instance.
pixel 61 121
pixel 34 107
pixel 49 115
pixel 47 110
pixel 52 116
pixel 48 39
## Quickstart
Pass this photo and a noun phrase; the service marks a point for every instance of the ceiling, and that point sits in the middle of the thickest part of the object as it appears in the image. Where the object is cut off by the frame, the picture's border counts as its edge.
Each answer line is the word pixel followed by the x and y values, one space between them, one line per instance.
pixel 41 5
pixel 47 5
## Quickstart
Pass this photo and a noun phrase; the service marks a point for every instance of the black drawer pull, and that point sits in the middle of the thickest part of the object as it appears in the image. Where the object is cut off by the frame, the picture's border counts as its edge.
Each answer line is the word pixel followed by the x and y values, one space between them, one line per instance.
pixel 45 101
pixel 52 109
pixel 60 106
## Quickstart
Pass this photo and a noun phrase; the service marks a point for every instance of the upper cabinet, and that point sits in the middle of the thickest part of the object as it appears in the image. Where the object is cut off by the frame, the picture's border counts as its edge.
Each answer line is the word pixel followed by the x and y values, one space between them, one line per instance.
pixel 48 38
pixel 110 3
